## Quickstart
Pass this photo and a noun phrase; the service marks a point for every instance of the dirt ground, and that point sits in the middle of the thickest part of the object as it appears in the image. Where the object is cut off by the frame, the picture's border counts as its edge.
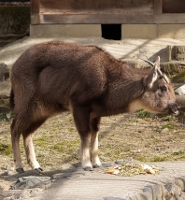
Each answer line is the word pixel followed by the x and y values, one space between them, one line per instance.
pixel 139 136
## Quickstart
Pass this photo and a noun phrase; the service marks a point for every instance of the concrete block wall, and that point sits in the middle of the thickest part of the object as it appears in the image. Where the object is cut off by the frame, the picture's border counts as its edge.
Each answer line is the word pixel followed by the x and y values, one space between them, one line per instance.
pixel 72 30
pixel 153 31
pixel 133 31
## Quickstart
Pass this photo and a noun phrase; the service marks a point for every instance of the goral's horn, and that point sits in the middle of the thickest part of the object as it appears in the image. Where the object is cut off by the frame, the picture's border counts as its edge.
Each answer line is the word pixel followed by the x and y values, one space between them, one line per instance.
pixel 149 62
pixel 158 70
pixel 163 75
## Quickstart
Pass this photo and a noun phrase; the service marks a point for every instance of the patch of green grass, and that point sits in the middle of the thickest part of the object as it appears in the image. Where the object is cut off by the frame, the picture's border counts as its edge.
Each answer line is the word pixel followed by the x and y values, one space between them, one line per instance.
pixel 71 129
pixel 142 159
pixel 169 126
pixel 167 118
pixel 117 152
pixel 5 149
pixel 66 146
pixel 59 148
pixel 159 159
pixel 41 142
pixel 179 78
pixel 177 153
pixel 109 154
pixel 70 119
pixel 127 149
pixel 133 120
pixel 142 113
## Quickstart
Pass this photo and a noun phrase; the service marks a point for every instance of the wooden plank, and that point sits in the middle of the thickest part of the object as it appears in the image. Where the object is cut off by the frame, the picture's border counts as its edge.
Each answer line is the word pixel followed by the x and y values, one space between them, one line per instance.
pixel 114 19
pixel 157 7
pixel 94 7
pixel 35 6
pixel 169 18
pixel 173 6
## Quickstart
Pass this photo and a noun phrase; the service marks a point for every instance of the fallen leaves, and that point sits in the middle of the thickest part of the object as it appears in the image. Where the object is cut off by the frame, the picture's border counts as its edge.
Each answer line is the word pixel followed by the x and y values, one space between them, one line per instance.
pixel 132 169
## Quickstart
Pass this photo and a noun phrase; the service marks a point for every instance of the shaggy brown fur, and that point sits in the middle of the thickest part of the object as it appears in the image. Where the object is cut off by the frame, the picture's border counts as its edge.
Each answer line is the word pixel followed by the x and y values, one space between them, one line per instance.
pixel 54 77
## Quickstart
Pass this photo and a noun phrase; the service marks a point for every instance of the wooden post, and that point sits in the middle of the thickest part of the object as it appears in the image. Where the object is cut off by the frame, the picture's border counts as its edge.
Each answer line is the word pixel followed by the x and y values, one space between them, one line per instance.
pixel 35 10
pixel 158 7
pixel 35 6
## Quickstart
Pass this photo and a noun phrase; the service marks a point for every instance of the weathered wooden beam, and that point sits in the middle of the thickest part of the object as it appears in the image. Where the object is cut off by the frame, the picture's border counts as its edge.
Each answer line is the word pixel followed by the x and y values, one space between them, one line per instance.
pixel 107 19
pixel 91 6
pixel 35 4
pixel 158 4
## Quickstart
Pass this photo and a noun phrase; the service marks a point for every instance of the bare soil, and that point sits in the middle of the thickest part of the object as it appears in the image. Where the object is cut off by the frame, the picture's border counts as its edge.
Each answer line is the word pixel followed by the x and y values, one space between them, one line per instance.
pixel 139 136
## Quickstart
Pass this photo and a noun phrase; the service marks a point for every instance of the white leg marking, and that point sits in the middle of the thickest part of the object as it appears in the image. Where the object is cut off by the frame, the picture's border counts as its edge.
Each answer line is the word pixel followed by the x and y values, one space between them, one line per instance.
pixel 17 154
pixel 86 163
pixel 94 150
pixel 30 152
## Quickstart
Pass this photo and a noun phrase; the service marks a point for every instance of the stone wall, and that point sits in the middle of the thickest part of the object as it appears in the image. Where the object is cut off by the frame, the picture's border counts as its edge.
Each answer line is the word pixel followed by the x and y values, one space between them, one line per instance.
pixel 14 21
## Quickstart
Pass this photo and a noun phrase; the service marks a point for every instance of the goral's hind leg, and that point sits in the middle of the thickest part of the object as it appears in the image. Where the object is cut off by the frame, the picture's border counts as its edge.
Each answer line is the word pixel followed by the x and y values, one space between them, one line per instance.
pixel 28 145
pixel 15 138
pixel 95 123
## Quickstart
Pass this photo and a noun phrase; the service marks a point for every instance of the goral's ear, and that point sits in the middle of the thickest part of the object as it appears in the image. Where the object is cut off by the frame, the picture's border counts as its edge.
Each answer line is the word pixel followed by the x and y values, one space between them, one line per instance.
pixel 149 79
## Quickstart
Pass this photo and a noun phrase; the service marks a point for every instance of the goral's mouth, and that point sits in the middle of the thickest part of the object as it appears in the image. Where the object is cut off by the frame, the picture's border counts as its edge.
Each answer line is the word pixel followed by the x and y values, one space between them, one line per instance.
pixel 175 110
pixel 176 113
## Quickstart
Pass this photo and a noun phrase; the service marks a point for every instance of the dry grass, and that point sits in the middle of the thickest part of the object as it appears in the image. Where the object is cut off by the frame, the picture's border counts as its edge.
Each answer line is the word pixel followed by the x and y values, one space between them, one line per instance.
pixel 138 136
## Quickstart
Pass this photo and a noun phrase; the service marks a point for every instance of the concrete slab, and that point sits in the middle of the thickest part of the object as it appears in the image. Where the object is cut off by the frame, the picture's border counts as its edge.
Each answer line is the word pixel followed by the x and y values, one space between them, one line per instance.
pixel 129 49
pixel 169 184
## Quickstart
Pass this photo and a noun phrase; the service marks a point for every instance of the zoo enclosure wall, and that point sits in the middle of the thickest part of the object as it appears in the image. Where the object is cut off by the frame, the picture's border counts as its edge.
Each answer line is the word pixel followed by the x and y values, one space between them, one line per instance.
pixel 145 19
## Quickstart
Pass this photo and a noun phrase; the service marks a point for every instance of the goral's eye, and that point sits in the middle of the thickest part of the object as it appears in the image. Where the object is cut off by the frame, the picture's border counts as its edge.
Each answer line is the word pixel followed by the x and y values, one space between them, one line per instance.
pixel 163 88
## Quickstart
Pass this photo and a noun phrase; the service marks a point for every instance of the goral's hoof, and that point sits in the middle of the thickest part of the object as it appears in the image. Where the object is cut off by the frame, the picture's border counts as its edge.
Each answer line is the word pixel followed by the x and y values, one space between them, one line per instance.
pixel 40 170
pixel 97 166
pixel 20 170
pixel 88 168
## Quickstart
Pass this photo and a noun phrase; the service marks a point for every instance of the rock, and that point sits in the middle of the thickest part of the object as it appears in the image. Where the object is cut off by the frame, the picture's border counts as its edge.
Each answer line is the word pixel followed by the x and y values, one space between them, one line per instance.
pixel 36 191
pixel 181 100
pixel 4 167
pixel 165 130
pixel 178 53
pixel 31 182
pixel 180 90
pixel 25 194
pixel 68 167
pixel 4 185
pixel 10 173
pixel 4 72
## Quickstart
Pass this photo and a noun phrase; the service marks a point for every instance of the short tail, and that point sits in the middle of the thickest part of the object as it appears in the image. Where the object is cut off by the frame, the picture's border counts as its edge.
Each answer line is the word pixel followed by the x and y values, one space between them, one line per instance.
pixel 11 101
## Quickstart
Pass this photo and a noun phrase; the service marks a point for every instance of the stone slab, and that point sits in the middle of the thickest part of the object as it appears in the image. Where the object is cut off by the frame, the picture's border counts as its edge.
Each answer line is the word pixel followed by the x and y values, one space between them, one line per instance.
pixel 169 184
